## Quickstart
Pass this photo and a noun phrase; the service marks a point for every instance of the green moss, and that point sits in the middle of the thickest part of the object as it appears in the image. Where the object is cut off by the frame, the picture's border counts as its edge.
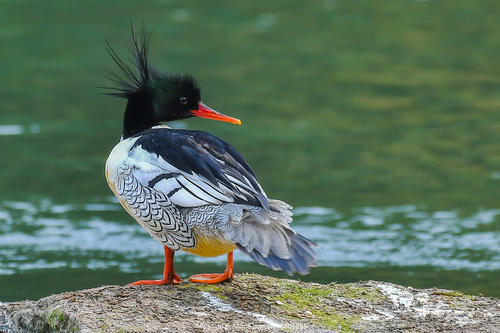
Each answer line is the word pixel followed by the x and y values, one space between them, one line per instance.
pixel 451 293
pixel 296 300
pixel 351 290
pixel 200 286
pixel 208 287
pixel 455 299
pixel 57 319
pixel 213 289
pixel 104 327
pixel 347 290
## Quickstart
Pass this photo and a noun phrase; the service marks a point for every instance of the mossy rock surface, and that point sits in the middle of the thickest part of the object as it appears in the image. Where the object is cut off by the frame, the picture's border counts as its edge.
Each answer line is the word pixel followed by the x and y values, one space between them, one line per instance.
pixel 255 303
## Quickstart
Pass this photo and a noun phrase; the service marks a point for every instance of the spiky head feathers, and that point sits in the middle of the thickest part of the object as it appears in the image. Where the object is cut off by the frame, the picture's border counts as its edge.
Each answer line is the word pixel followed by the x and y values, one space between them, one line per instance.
pixel 171 97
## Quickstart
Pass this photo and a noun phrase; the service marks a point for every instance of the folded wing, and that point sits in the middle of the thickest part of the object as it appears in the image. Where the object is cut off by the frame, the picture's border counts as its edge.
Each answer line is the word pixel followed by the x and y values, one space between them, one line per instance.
pixel 194 168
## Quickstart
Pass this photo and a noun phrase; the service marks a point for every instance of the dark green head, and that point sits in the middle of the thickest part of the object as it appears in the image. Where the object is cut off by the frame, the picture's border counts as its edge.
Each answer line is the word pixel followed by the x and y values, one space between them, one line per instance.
pixel 154 97
pixel 174 95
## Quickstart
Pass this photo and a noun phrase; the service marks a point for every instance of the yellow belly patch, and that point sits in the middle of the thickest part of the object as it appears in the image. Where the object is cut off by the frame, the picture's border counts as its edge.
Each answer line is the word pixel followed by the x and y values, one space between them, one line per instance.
pixel 209 246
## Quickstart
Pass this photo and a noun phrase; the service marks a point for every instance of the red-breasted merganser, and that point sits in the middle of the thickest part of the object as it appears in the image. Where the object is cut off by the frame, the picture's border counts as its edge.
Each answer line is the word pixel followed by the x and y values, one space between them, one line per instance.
pixel 189 189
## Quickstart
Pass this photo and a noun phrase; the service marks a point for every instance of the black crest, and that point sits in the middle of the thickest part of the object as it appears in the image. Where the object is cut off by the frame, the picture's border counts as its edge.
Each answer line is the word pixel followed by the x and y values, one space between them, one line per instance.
pixel 131 83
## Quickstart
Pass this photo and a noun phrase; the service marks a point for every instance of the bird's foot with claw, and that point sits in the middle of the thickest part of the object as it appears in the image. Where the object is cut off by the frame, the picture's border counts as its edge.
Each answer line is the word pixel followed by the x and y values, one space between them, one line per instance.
pixel 211 277
pixel 174 280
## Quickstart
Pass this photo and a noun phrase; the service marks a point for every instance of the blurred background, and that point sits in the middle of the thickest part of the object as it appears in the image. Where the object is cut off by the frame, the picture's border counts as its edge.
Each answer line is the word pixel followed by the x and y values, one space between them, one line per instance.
pixel 377 120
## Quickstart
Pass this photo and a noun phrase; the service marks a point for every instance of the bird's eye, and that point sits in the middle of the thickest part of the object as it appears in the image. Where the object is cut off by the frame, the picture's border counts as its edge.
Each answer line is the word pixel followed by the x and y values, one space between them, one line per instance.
pixel 183 100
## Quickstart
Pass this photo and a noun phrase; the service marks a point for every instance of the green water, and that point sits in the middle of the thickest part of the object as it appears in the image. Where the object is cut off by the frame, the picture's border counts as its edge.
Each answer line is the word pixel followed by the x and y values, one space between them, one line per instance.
pixel 379 121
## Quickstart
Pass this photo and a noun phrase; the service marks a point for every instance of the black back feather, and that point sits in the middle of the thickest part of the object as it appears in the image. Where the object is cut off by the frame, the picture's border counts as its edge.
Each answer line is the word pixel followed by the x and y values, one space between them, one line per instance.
pixel 131 83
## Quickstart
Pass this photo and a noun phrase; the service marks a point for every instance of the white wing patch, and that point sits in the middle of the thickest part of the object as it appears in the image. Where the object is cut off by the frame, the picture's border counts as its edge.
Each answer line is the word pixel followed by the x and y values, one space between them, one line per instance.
pixel 182 188
pixel 167 186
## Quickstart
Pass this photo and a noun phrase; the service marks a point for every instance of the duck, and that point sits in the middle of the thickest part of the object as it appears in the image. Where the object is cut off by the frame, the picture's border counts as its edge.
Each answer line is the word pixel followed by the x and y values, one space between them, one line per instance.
pixel 190 190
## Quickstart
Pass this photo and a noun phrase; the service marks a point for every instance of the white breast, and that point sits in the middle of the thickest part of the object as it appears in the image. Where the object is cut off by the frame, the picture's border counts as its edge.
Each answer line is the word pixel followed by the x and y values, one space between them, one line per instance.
pixel 117 158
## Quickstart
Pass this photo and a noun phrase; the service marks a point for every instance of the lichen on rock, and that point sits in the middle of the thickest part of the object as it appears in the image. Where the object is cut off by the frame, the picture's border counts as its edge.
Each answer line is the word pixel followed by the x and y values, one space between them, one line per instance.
pixel 254 303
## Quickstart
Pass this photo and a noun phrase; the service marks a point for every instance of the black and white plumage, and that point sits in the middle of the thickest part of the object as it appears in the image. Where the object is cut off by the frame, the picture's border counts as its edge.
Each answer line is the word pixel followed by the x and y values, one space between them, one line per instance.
pixel 190 190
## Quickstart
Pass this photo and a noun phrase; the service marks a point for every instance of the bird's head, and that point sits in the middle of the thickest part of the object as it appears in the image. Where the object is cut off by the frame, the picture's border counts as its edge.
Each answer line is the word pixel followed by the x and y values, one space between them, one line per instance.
pixel 155 97
pixel 178 97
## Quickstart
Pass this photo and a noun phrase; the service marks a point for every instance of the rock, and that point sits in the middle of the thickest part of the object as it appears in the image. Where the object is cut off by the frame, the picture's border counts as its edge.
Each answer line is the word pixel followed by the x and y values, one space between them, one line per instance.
pixel 255 303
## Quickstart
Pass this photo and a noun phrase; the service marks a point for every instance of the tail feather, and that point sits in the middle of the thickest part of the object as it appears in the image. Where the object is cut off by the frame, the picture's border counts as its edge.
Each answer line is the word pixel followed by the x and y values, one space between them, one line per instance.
pixel 274 244
pixel 262 234
pixel 301 256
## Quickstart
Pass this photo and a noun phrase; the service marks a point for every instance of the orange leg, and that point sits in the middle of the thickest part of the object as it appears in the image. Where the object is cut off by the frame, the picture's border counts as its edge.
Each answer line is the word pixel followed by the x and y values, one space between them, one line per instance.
pixel 216 277
pixel 169 277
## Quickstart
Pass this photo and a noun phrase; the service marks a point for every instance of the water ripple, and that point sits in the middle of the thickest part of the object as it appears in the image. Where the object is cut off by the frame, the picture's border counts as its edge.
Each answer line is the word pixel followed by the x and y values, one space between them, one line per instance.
pixel 92 235
pixel 18 129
